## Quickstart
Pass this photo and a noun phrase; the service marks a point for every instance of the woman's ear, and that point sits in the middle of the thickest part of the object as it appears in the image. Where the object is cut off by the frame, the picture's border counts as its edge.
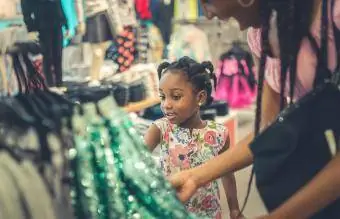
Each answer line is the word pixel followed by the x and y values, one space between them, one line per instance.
pixel 202 97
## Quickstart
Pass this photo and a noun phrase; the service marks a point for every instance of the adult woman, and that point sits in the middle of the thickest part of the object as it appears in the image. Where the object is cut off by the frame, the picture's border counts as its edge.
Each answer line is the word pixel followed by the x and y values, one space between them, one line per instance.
pixel 325 187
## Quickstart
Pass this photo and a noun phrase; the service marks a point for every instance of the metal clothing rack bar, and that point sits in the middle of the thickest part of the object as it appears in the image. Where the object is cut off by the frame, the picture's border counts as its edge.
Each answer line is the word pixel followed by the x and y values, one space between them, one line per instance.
pixel 30 46
pixel 200 20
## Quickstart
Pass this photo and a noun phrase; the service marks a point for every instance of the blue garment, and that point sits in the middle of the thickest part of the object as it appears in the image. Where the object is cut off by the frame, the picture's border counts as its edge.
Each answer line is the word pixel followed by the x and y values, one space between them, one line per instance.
pixel 71 18
pixel 200 9
pixel 162 15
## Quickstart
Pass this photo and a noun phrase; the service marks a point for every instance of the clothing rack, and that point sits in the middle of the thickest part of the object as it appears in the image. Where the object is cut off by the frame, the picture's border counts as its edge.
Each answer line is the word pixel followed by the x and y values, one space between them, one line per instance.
pixel 200 20
pixel 73 150
pixel 17 68
pixel 32 47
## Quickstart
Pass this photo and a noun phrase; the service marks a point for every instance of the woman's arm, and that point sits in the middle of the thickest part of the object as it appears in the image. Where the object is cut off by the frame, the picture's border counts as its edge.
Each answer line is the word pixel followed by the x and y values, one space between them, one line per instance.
pixel 320 192
pixel 152 137
pixel 235 158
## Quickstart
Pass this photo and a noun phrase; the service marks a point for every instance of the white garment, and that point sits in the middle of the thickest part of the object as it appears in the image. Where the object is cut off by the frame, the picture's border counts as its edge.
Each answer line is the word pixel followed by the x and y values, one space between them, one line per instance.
pixel 121 13
pixel 189 41
pixel 93 7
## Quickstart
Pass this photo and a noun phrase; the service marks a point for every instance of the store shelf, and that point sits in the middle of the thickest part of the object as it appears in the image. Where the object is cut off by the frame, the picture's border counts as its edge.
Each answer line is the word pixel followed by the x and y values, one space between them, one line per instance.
pixel 138 106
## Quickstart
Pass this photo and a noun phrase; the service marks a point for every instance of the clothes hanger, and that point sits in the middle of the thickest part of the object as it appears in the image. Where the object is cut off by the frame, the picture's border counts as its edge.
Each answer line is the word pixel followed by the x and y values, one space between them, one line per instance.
pixel 42 123
pixel 28 100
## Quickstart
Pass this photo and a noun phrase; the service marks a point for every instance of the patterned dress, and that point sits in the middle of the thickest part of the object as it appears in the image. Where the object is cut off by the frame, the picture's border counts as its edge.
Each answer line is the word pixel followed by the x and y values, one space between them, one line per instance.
pixel 181 149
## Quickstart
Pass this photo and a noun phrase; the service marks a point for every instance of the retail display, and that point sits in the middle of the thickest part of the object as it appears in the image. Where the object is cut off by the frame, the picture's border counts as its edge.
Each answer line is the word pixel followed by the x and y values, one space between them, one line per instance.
pixel 305 136
pixel 139 72
pixel 15 76
pixel 104 20
pixel 85 160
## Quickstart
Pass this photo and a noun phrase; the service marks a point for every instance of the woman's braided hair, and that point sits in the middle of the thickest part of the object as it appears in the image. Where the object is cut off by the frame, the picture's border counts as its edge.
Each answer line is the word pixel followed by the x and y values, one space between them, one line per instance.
pixel 293 21
pixel 201 75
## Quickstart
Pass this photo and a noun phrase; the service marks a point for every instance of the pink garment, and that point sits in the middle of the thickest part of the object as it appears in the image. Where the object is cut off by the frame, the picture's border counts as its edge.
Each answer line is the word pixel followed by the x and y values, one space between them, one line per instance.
pixel 307 59
pixel 232 86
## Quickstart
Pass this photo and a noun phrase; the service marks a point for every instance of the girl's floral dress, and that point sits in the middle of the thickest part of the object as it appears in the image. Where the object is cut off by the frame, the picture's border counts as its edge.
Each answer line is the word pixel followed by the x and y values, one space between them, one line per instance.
pixel 182 149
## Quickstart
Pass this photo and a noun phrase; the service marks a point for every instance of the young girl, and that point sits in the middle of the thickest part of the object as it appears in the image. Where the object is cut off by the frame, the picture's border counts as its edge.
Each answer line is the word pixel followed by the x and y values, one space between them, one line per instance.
pixel 186 140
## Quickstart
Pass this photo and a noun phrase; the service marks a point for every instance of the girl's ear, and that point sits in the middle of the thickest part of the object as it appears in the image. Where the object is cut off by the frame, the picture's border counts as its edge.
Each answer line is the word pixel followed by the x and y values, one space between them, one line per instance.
pixel 201 97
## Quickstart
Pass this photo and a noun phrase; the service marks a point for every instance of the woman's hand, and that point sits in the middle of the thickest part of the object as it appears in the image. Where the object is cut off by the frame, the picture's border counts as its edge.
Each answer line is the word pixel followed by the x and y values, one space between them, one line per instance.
pixel 236 214
pixel 185 184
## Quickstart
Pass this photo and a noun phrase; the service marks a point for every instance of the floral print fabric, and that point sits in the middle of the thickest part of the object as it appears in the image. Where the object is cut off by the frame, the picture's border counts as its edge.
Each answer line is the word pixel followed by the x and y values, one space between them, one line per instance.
pixel 182 148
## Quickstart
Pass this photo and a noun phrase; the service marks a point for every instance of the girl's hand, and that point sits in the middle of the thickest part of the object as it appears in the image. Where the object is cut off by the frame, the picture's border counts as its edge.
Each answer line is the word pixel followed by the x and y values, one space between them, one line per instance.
pixel 185 184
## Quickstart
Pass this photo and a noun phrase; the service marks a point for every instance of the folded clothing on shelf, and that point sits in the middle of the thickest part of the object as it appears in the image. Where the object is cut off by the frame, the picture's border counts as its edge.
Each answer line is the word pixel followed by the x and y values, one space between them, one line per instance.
pixel 137 91
pixel 208 114
pixel 220 106
pixel 153 113
pixel 123 93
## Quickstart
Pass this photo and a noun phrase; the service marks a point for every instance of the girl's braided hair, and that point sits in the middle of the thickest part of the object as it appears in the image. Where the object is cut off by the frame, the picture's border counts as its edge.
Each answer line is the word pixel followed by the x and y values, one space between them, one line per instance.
pixel 201 75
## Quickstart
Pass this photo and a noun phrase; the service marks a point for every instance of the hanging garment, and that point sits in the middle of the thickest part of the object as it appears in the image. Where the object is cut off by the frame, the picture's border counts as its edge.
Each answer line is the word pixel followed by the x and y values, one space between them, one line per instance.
pixel 110 171
pixel 200 9
pixel 156 45
pixel 48 18
pixel 143 43
pixel 143 9
pixel 132 169
pixel 186 9
pixel 236 82
pixel 121 14
pixel 93 7
pixel 189 41
pixel 98 29
pixel 162 14
pixel 9 197
pixel 51 40
pixel 123 50
pixel 150 43
pixel 71 19
pixel 41 14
